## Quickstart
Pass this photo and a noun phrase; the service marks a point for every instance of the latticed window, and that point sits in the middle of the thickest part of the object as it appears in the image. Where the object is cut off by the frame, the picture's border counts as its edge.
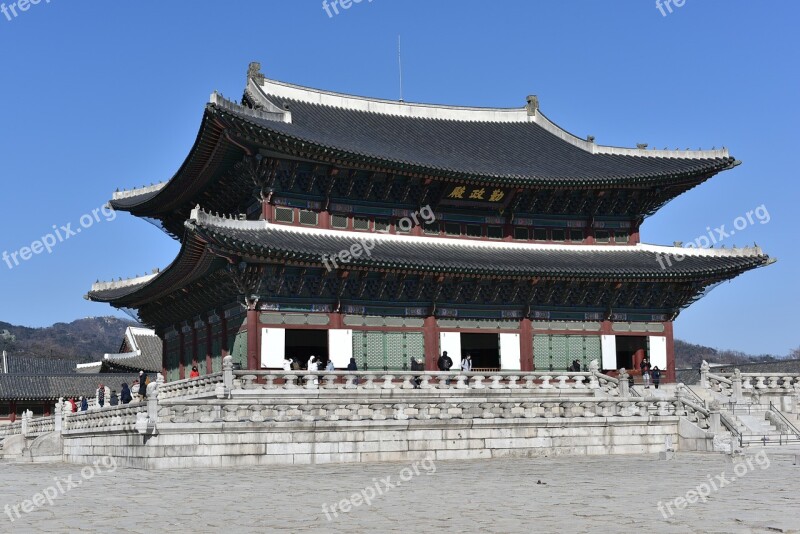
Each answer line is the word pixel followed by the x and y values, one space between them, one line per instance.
pixel 284 215
pixel 521 233
pixel 474 230
pixel 381 225
pixel 540 234
pixel 360 223
pixel 339 221
pixel 494 232
pixel 576 236
pixel 601 236
pixel 309 218
pixel 621 236
pixel 452 229
pixel 558 234
pixel 432 228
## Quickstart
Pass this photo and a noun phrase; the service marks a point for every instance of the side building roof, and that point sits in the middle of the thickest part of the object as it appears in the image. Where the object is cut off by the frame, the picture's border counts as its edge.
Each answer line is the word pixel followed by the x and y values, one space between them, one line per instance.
pixel 30 387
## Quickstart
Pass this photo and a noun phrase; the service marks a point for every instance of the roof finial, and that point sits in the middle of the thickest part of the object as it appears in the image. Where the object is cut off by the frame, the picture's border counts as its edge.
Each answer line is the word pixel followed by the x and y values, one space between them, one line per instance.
pixel 254 72
pixel 533 104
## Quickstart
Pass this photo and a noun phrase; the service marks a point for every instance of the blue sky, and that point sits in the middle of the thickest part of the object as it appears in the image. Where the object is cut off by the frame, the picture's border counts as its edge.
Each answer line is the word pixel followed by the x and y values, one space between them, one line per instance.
pixel 100 95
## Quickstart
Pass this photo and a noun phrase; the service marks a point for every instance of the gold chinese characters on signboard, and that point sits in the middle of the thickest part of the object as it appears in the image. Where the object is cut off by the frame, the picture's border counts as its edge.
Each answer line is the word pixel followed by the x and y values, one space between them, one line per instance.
pixel 476 194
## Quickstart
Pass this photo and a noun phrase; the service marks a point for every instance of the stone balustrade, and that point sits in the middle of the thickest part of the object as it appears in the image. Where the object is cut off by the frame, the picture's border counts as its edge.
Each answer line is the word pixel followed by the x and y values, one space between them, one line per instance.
pixel 353 409
pixel 121 417
pixel 254 382
pixel 736 384
pixel 190 388
pixel 11 429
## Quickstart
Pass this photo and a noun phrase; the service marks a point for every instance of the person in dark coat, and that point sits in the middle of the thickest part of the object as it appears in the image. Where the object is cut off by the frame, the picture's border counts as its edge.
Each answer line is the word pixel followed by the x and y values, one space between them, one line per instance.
pixel 353 366
pixel 445 363
pixel 101 396
pixel 114 399
pixel 142 386
pixel 84 404
pixel 656 375
pixel 125 394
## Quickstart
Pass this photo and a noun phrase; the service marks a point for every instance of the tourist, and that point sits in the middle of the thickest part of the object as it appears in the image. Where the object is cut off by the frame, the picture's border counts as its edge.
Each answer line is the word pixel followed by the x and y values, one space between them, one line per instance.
pixel 445 363
pixel 656 376
pixel 114 399
pixel 416 366
pixel 125 394
pixel 72 406
pixel 646 379
pixel 101 396
pixel 313 365
pixel 353 366
pixel 295 365
pixel 142 386
pixel 466 363
pixel 84 404
pixel 195 373
pixel 330 366
pixel 287 364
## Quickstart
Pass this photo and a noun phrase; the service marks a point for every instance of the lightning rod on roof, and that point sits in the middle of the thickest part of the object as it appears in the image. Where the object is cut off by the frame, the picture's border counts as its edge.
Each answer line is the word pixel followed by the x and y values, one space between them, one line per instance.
pixel 400 66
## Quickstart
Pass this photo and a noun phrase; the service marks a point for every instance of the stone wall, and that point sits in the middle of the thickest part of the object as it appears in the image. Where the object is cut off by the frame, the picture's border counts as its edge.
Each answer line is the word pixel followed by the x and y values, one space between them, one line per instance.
pixel 309 430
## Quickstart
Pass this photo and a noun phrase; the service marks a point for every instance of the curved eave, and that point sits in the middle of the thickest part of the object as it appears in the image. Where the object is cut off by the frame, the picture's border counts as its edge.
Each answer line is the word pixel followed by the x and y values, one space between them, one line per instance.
pixel 192 263
pixel 310 248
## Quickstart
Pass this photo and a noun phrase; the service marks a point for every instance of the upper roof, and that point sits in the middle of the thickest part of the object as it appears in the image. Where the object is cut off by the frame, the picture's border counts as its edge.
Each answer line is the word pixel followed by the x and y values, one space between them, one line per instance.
pixel 518 146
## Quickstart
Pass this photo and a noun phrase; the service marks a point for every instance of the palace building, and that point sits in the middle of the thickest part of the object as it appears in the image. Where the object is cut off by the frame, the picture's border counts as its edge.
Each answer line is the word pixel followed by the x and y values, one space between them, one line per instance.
pixel 317 223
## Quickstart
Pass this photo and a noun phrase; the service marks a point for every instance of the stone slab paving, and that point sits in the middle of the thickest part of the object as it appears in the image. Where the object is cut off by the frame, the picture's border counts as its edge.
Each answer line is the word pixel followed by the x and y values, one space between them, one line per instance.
pixel 605 494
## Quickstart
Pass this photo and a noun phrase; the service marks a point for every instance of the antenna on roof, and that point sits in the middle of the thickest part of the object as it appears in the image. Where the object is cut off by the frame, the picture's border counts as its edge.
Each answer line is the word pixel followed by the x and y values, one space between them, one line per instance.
pixel 400 66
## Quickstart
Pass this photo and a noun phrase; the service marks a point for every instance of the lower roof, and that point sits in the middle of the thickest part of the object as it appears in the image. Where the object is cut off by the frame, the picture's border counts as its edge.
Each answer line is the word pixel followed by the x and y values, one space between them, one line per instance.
pixel 33 387
pixel 263 242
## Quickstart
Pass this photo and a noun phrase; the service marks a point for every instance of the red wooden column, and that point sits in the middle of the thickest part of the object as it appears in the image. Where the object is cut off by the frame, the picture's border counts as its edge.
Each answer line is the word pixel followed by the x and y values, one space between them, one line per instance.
pixel 164 355
pixel 182 362
pixel 430 335
pixel 209 346
pixel 194 344
pixel 668 331
pixel 12 409
pixel 252 339
pixel 526 345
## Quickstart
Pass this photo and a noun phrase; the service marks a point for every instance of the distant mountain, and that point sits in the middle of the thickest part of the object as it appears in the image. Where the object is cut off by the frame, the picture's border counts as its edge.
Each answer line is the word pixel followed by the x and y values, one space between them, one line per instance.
pixel 83 340
pixel 689 355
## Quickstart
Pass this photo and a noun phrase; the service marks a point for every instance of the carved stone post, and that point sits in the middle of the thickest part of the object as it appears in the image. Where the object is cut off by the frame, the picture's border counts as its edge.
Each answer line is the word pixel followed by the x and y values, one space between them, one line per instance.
pixel 623 383
pixel 227 373
pixel 736 385
pixel 714 416
pixel 704 368
pixel 59 415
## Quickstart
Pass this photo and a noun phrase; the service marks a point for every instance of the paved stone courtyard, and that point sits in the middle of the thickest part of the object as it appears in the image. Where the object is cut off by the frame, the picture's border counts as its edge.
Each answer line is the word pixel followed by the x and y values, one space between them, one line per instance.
pixel 576 494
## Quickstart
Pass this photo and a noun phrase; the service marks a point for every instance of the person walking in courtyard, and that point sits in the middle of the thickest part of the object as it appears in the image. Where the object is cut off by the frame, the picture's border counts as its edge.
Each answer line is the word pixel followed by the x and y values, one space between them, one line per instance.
pixel 656 376
pixel 330 366
pixel 101 396
pixel 466 363
pixel 195 373
pixel 125 394
pixel 646 377
pixel 84 404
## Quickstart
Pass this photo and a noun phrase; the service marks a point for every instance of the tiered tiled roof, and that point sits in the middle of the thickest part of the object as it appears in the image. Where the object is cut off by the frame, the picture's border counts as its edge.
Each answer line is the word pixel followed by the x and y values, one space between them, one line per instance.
pixel 53 386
